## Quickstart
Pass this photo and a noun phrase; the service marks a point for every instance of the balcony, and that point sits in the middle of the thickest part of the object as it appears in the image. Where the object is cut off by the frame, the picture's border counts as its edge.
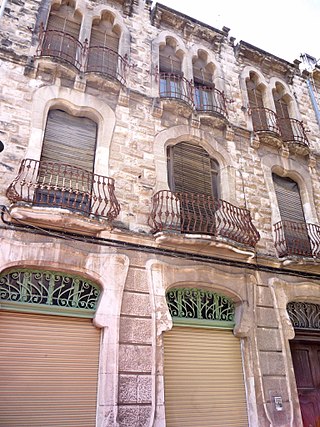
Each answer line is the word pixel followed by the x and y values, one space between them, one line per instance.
pixel 191 213
pixel 265 123
pixel 104 61
pixel 55 185
pixel 210 102
pixel 297 239
pixel 175 87
pixel 293 132
pixel 274 130
pixel 64 48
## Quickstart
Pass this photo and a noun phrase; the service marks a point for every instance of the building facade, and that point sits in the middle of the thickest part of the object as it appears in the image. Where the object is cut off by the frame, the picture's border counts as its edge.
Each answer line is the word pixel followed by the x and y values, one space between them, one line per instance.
pixel 160 245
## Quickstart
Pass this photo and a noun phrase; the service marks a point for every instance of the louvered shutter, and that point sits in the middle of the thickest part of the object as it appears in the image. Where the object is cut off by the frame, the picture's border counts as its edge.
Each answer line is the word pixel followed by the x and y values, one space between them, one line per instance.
pixel 69 139
pixel 191 169
pixel 49 370
pixel 101 38
pixel 259 118
pixel 284 122
pixel 192 179
pixel 63 23
pixel 203 378
pixel 292 215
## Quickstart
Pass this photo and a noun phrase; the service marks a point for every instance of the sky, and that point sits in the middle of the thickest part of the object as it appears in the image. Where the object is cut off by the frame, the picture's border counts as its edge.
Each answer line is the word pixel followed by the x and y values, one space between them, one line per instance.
pixel 285 28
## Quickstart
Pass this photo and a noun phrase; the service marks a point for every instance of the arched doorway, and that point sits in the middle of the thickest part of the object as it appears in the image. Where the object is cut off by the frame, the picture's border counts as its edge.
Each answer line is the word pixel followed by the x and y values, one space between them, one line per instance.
pixel 305 351
pixel 203 376
pixel 49 349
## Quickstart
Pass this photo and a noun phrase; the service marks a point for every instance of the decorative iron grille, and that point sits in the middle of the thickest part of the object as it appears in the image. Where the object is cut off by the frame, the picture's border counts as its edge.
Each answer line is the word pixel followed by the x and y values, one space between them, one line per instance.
pixel 304 315
pixel 48 288
pixel 192 303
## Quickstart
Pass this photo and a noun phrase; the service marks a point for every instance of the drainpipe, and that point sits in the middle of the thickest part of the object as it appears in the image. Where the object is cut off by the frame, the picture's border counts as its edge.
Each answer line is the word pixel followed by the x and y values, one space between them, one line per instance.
pixel 314 101
pixel 2 7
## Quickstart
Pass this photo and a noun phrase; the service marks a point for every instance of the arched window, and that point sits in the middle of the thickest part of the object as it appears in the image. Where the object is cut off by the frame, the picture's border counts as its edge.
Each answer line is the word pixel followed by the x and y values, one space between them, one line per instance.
pixel 104 45
pixel 203 83
pixel 257 108
pixel 61 37
pixel 291 232
pixel 172 84
pixel 282 110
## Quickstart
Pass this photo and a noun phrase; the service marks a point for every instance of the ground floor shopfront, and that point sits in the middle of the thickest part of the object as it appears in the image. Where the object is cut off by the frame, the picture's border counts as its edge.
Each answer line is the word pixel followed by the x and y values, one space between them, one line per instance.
pixel 101 336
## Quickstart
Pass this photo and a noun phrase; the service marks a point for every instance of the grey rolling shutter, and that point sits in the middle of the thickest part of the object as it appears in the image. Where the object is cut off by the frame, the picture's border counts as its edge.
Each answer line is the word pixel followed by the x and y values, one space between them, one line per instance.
pixel 102 39
pixel 69 139
pixel 64 23
pixel 191 169
pixel 289 201
pixel 283 116
pixel 259 119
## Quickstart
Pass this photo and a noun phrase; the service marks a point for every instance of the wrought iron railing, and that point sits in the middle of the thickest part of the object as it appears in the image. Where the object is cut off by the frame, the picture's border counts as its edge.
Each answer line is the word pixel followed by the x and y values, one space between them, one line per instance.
pixel 304 315
pixel 264 120
pixel 297 238
pixel 292 130
pixel 201 214
pixel 60 185
pixel 96 59
pixel 175 86
pixel 62 46
pixel 210 100
pixel 107 62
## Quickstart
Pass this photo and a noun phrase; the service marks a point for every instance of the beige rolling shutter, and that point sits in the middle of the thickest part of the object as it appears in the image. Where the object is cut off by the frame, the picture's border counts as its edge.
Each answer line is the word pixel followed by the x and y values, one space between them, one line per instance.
pixel 204 385
pixel 48 370
pixel 69 139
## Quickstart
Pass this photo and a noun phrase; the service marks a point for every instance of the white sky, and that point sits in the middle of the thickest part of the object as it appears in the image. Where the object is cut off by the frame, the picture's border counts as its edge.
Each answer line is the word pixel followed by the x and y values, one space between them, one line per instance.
pixel 285 28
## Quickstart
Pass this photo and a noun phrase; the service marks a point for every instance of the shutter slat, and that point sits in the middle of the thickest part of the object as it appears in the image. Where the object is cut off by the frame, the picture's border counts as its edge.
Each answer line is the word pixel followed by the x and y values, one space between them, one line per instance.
pixel 204 383
pixel 289 201
pixel 48 370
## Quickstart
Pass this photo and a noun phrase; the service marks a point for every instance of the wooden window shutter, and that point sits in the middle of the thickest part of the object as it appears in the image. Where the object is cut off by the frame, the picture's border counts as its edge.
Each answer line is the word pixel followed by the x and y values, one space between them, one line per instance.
pixel 289 201
pixel 69 139
pixel 103 39
pixel 191 170
pixel 64 21
pixel 284 122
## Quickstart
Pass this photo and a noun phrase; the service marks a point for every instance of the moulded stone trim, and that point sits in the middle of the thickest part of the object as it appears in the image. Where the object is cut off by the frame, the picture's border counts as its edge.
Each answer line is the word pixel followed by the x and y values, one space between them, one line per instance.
pixel 299 173
pixel 109 271
pixel 161 277
pixel 76 103
pixel 180 133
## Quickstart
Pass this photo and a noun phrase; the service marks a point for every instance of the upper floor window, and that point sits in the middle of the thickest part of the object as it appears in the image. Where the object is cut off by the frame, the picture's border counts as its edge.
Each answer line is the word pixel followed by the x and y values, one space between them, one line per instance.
pixel 192 170
pixel 61 38
pixel 292 232
pixel 104 45
pixel 258 111
pixel 281 102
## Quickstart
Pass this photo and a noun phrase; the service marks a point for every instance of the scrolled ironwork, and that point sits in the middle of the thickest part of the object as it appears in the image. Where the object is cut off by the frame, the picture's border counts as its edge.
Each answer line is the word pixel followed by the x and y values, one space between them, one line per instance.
pixel 304 315
pixel 48 288
pixel 200 304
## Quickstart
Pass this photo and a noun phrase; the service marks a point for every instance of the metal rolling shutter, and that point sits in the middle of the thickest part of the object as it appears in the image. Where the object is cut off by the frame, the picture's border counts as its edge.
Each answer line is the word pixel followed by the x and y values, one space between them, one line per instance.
pixel 289 201
pixel 48 370
pixel 204 384
pixel 69 139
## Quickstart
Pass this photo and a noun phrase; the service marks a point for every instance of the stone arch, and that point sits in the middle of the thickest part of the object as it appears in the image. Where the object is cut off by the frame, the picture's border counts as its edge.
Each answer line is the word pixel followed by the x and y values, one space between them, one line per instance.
pixel 162 277
pixel 218 75
pixel 184 133
pixel 75 103
pixel 294 170
pixel 93 266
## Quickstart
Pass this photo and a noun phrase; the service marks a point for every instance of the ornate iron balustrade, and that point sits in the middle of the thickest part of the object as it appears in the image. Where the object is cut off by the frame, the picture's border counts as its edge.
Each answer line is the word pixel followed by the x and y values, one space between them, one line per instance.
pixel 304 315
pixel 201 214
pixel 292 130
pixel 210 100
pixel 175 86
pixel 265 120
pixel 296 238
pixel 96 59
pixel 199 304
pixel 39 290
pixel 62 46
pixel 64 186
pixel 106 62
